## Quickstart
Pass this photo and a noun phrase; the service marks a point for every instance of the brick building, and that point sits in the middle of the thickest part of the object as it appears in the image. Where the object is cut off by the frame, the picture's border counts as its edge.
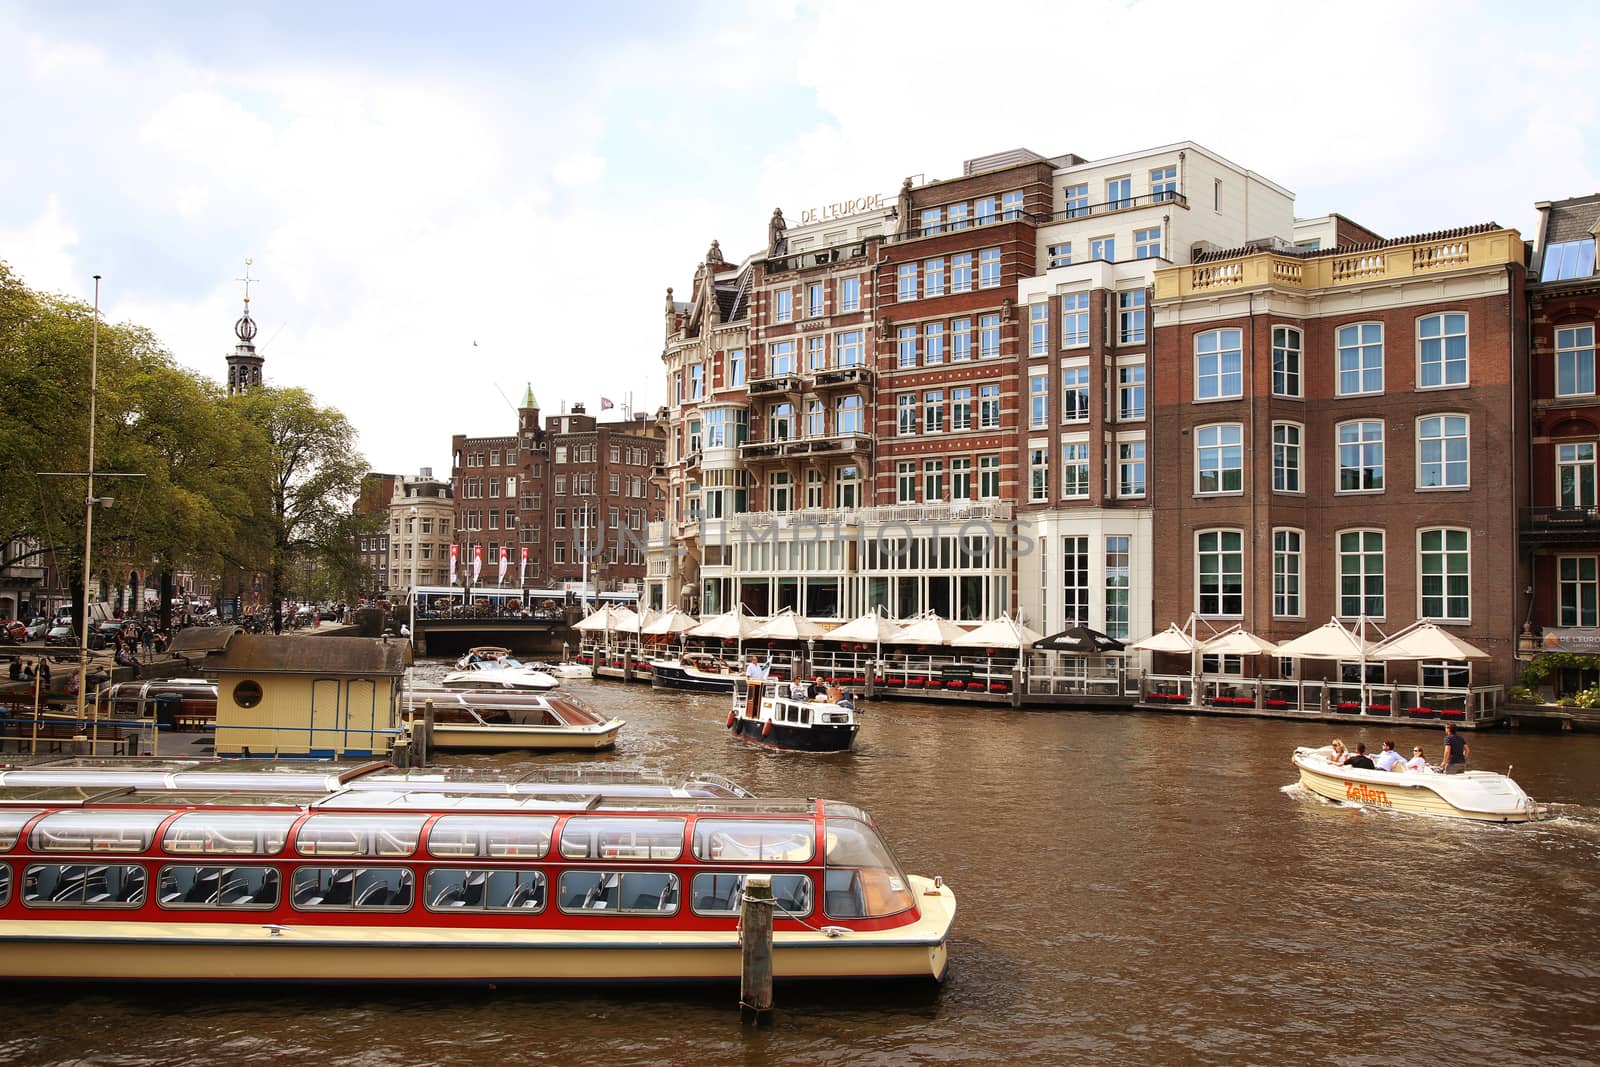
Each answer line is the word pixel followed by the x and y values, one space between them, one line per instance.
pixel 572 493
pixel 373 548
pixel 1561 527
pixel 1335 434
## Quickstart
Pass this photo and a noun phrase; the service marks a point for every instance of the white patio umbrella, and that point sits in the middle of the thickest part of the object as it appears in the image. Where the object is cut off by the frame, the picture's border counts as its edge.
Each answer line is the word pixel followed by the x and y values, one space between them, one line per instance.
pixel 927 629
pixel 669 623
pixel 1424 640
pixel 733 625
pixel 598 621
pixel 1239 643
pixel 1333 640
pixel 787 626
pixel 874 626
pixel 1004 632
pixel 1173 639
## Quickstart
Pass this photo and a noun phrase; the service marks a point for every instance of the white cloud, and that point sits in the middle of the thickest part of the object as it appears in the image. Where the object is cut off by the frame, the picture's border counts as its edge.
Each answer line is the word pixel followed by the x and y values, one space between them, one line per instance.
pixel 42 251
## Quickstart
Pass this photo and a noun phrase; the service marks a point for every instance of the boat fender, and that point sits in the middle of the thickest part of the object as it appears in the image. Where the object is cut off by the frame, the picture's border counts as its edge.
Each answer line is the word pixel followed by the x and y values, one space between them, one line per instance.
pixel 766 728
pixel 731 716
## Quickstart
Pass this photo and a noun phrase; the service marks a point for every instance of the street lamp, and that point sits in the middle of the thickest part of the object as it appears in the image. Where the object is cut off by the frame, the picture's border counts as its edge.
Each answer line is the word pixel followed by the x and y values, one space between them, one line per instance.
pixel 415 546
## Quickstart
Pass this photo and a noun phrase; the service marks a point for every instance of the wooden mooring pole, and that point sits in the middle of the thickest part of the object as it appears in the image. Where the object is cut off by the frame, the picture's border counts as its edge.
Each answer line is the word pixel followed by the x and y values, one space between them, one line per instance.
pixel 425 740
pixel 755 949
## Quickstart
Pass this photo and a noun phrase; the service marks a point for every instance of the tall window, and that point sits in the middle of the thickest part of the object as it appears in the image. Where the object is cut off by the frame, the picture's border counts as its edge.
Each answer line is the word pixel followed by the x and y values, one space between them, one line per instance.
pixel 1445 574
pixel 847 487
pixel 780 493
pixel 988 407
pixel 816 488
pixel 1219 364
pixel 930 220
pixel 1038 329
pixel 988 268
pixel 961 407
pixel 960 340
pixel 1103 248
pixel 1130 317
pixel 1286 457
pixel 1130 469
pixel 988 336
pixel 957 214
pixel 1442 452
pixel 1360 457
pixel 961 477
pixel 1580 591
pixel 1119 585
pixel 848 415
pixel 1077 200
pixel 1038 401
pixel 1575 361
pixel 1060 254
pixel 1119 193
pixel 780 422
pixel 1130 392
pixel 1038 475
pixel 1011 205
pixel 697 382
pixel 933 277
pixel 814 300
pixel 783 305
pixel 1361 573
pixel 933 343
pixel 848 348
pixel 933 411
pixel 907 345
pixel 933 479
pixel 989 477
pixel 1287 345
pixel 1442 350
pixel 1360 358
pixel 1219 568
pixel 961 273
pixel 1219 458
pixel 1074 320
pixel 906 413
pixel 780 360
pixel 816 353
pixel 1286 573
pixel 1075 580
pixel 987 209
pixel 1575 474
pixel 1147 243
pixel 736 367
pixel 849 294
pixel 1164 182
pixel 907 279
pixel 1074 394
pixel 1075 471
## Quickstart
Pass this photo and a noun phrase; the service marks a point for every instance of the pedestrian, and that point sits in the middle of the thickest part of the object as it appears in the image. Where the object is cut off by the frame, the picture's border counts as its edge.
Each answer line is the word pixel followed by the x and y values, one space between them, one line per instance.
pixel 15 670
pixel 44 673
pixel 1456 750
pixel 148 639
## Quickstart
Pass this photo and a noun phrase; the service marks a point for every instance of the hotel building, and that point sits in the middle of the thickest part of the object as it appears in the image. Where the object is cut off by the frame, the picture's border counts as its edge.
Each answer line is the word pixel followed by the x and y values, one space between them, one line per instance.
pixel 421 520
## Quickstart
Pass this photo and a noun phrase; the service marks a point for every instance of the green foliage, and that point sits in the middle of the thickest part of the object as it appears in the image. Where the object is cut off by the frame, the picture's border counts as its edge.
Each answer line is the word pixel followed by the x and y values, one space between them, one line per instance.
pixel 1521 694
pixel 1546 664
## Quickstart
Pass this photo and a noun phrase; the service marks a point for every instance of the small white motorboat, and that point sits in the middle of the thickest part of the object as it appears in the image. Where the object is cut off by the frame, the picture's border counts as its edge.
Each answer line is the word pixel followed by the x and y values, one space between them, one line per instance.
pixel 498 722
pixel 1481 795
pixel 482 654
pixel 564 670
pixel 504 673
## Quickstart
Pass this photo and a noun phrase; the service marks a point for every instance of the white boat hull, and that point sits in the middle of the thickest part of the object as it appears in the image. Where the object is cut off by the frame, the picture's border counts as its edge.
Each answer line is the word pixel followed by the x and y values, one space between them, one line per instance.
pixel 500 737
pixel 1479 795
pixel 527 681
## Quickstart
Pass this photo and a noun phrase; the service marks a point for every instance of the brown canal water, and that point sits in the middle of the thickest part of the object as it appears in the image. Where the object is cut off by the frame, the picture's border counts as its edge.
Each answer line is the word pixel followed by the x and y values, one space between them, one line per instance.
pixel 1133 888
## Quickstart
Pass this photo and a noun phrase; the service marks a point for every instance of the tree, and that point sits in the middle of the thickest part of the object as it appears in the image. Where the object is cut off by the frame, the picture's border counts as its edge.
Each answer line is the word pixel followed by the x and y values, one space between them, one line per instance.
pixel 313 474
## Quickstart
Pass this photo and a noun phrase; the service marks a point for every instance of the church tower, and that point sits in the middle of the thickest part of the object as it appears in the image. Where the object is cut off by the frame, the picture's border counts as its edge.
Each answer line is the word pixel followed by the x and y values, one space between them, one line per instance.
pixel 244 365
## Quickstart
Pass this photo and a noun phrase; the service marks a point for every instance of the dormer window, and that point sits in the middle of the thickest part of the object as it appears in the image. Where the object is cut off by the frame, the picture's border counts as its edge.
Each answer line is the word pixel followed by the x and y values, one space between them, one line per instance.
pixel 1565 260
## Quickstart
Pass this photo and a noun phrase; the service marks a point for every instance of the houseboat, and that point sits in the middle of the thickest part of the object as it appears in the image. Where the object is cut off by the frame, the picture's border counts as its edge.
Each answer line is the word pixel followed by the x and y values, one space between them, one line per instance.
pixel 1483 796
pixel 497 721
pixel 697 671
pixel 779 714
pixel 168 880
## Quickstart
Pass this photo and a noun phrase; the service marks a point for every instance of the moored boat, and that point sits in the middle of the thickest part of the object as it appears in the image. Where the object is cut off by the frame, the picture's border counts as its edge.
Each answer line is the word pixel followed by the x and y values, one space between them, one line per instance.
pixel 463 882
pixel 697 671
pixel 497 721
pixel 482 654
pixel 1480 795
pixel 563 670
pixel 504 673
pixel 778 714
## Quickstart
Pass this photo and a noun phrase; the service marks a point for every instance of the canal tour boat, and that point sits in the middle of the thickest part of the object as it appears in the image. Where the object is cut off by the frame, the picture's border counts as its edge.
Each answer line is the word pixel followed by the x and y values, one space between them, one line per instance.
pixel 1483 796
pixel 503 673
pixel 700 672
pixel 385 876
pixel 498 721
pixel 778 714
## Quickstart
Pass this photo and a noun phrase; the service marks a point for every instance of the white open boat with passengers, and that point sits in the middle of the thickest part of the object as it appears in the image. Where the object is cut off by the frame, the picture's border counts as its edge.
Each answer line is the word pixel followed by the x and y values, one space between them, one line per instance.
pixel 256 870
pixel 498 721
pixel 503 673
pixel 1481 795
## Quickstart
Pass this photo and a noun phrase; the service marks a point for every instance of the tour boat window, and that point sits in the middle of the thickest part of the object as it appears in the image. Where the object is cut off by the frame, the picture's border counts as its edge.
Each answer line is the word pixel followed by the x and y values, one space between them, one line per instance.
pixel 5 884
pixel 754 841
pixel 227 833
pixel 390 836
pixel 864 881
pixel 368 888
pixel 497 890
pixel 587 837
pixel 11 824
pixel 218 887
pixel 83 885
pixel 623 892
pixel 105 830
pixel 721 893
pixel 491 836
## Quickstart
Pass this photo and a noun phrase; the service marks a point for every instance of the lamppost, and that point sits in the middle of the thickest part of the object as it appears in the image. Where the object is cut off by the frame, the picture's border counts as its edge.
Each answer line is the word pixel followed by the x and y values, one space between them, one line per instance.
pixel 414 547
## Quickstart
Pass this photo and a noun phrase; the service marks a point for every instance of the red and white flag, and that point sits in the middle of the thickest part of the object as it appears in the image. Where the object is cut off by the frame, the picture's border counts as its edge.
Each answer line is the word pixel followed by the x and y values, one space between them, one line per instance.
pixel 522 575
pixel 455 554
pixel 505 561
pixel 606 405
pixel 477 561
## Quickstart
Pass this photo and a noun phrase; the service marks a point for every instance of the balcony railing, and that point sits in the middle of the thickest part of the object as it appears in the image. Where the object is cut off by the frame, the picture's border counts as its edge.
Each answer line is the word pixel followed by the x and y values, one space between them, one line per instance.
pixel 833 444
pixel 776 384
pixel 1560 524
pixel 843 377
pixel 1112 207
pixel 820 257
pixel 953 511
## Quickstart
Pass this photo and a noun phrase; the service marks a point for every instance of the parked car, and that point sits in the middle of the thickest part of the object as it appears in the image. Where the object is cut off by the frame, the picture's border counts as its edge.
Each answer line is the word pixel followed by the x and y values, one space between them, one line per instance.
pixel 12 631
pixel 60 634
pixel 38 628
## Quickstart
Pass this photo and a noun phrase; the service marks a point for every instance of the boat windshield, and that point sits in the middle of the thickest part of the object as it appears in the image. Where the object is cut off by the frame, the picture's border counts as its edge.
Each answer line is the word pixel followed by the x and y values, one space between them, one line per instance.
pixel 863 880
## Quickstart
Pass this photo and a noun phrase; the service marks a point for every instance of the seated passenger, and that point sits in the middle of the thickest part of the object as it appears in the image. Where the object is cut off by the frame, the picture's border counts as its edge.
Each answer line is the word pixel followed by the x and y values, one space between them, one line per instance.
pixel 1360 761
pixel 815 688
pixel 1417 762
pixel 835 693
pixel 1389 759
pixel 1339 754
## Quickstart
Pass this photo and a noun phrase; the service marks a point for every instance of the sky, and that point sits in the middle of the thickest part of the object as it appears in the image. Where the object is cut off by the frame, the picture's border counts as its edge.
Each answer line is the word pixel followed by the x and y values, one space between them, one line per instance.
pixel 445 203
